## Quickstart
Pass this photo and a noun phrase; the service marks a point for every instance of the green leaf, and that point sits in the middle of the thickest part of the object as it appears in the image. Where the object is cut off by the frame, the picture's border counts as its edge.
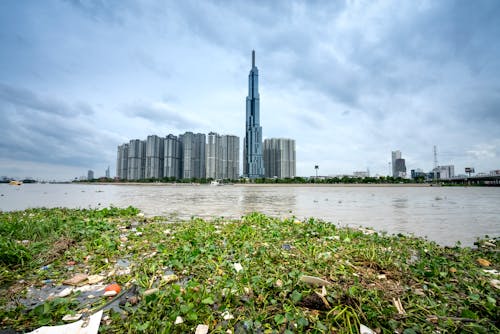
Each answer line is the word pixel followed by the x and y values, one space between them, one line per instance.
pixel 296 296
pixel 279 319
pixel 208 300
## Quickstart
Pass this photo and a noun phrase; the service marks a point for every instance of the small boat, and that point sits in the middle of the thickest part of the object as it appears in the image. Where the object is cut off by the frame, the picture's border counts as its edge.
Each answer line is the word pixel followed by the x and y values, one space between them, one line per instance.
pixel 15 183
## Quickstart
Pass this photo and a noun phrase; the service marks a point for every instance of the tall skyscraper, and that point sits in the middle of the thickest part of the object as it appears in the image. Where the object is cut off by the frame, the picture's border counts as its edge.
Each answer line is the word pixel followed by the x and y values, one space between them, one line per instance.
pixel 193 155
pixel 253 164
pixel 222 156
pixel 279 157
pixel 172 156
pixel 154 157
pixel 136 159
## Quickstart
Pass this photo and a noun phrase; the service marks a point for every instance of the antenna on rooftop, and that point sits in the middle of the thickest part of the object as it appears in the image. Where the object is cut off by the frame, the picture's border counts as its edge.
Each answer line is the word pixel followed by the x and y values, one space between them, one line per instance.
pixel 253 58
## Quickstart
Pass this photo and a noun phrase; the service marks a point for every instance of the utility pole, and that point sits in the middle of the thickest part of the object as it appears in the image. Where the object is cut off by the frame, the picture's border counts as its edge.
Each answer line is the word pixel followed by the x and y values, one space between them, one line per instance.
pixel 435 163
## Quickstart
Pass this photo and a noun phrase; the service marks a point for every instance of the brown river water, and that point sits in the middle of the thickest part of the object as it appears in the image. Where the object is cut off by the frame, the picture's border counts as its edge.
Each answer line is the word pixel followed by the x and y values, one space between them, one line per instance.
pixel 442 214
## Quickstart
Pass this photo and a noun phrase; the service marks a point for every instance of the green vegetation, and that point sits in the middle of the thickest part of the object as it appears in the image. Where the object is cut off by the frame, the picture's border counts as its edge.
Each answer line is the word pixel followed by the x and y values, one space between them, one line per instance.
pixel 389 283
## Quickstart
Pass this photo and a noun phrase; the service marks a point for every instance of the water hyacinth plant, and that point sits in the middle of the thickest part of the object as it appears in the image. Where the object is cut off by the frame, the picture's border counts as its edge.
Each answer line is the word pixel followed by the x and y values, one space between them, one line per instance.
pixel 257 274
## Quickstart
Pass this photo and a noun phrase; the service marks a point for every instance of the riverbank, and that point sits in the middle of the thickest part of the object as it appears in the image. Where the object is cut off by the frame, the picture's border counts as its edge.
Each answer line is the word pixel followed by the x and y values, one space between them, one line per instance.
pixel 248 275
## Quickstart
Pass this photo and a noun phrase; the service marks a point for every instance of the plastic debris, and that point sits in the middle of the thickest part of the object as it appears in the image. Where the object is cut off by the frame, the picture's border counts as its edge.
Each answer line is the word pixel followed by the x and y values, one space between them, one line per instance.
pixel 382 276
pixel 483 262
pixel 110 293
pixel 65 292
pixel 150 291
pixel 113 287
pixel 72 317
pixel 178 320
pixel 314 280
pixel 93 279
pixel 76 280
pixel 89 326
pixel 279 283
pixel 201 329
pixel 227 316
pixel 495 283
pixel 365 330
pixel 237 267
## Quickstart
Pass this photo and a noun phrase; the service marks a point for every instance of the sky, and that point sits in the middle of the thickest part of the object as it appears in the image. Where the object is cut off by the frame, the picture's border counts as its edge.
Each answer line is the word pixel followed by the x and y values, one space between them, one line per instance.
pixel 350 81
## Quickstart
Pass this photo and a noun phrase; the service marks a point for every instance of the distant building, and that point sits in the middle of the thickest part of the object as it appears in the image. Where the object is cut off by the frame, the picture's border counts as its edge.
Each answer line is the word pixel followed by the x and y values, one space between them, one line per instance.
pixel 193 155
pixel 222 156
pixel 90 175
pixel 361 174
pixel 416 173
pixel 136 159
pixel 446 172
pixel 154 157
pixel 107 173
pixel 122 162
pixel 172 157
pixel 279 158
pixel 398 165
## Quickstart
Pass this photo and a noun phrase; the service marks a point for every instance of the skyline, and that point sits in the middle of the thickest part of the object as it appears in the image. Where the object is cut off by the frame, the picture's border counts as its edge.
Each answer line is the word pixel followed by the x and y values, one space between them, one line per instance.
pixel 349 81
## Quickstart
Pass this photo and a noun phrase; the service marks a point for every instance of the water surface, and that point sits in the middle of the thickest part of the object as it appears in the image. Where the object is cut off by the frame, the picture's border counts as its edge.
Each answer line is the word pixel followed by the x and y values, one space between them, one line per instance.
pixel 443 214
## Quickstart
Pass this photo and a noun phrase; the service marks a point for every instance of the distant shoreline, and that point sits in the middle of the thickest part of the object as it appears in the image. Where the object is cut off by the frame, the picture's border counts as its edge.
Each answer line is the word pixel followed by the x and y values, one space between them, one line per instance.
pixel 267 185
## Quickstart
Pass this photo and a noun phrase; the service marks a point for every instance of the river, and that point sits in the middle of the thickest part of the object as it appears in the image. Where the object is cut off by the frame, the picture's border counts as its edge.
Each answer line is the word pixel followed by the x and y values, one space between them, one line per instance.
pixel 442 214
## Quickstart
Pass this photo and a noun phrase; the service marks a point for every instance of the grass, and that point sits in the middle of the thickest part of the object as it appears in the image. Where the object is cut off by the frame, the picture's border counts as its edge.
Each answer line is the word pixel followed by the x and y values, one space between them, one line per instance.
pixel 440 289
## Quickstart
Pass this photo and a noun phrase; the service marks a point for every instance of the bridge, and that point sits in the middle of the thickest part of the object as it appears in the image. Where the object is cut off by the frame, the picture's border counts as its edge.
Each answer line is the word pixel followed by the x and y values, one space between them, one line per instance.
pixel 487 180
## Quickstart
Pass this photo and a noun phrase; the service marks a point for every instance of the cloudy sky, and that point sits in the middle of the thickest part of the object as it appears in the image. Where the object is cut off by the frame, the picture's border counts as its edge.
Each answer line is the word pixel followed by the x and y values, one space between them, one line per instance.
pixel 349 81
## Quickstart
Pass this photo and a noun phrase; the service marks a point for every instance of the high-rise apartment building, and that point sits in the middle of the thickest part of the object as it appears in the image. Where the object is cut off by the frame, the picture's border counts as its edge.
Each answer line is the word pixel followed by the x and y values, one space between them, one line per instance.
pixel 222 156
pixel 90 175
pixel 136 160
pixel 398 165
pixel 172 157
pixel 279 157
pixel 395 155
pixel 213 155
pixel 193 155
pixel 122 162
pixel 231 157
pixel 253 164
pixel 154 157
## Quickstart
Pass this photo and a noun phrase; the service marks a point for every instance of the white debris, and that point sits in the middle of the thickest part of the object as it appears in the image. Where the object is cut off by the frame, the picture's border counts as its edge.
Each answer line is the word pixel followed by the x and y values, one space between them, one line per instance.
pixel 65 292
pixel 492 272
pixel 227 316
pixel 237 267
pixel 72 317
pixel 201 329
pixel 382 276
pixel 178 320
pixel 314 280
pixel 365 330
pixel 110 293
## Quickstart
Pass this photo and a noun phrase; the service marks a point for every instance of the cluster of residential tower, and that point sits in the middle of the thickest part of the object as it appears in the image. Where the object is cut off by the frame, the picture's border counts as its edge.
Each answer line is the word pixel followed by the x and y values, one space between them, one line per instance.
pixel 192 156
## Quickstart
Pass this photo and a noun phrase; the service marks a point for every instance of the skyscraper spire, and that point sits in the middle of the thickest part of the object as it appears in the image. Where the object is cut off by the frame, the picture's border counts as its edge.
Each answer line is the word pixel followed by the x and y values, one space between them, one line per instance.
pixel 253 163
